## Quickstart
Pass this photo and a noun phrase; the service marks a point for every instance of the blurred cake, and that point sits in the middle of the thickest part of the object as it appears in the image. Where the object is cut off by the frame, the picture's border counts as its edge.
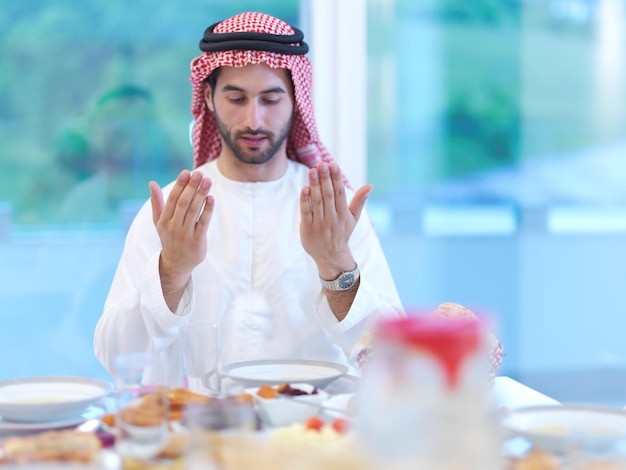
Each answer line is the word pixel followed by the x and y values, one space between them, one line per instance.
pixel 365 348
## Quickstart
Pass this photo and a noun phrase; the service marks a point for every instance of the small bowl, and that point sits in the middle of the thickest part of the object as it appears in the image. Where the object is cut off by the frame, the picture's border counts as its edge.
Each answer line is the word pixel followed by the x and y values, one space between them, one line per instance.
pixel 285 410
pixel 49 399
pixel 558 428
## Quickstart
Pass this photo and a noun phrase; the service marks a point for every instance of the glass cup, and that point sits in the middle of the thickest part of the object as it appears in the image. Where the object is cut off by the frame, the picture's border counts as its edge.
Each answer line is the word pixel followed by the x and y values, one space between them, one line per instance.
pixel 218 432
pixel 141 422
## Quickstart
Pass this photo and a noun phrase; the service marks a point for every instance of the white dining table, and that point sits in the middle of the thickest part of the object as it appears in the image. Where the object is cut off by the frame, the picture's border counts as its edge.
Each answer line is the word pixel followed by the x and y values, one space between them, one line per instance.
pixel 507 393
pixel 511 394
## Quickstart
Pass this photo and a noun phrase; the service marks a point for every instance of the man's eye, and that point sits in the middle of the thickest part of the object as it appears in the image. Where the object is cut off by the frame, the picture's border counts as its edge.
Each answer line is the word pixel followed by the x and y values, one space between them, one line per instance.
pixel 271 100
pixel 236 100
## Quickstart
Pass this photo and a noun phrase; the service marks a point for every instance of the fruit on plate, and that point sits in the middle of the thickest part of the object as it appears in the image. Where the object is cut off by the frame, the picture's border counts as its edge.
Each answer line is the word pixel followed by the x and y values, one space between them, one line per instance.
pixel 314 423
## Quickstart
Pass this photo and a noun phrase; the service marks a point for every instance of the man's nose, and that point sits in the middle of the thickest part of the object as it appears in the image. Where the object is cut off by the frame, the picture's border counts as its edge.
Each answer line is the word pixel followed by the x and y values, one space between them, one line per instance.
pixel 254 115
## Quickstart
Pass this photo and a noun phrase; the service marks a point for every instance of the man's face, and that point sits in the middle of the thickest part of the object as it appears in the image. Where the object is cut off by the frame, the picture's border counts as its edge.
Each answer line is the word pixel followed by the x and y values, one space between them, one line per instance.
pixel 253 107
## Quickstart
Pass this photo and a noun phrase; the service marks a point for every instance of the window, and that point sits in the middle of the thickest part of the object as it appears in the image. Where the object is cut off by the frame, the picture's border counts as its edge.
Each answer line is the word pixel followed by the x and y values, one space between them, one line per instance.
pixel 94 103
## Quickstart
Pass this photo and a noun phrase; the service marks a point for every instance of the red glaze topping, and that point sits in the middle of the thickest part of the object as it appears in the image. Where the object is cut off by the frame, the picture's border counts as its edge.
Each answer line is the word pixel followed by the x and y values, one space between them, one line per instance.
pixel 450 341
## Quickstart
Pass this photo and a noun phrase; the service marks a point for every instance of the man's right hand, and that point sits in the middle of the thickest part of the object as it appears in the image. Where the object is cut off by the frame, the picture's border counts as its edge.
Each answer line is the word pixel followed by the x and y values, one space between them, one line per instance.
pixel 182 224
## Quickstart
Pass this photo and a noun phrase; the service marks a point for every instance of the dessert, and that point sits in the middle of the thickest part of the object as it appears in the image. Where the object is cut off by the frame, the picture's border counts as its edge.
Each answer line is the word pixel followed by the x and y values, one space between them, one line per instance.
pixel 365 348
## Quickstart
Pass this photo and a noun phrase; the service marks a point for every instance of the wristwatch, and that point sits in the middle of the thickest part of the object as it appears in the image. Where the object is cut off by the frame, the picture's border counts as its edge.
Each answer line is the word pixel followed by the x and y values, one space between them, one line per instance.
pixel 344 281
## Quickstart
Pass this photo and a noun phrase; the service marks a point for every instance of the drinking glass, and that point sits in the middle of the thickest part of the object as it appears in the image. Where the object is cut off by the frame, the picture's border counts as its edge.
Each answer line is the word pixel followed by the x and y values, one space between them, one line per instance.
pixel 141 421
pixel 222 429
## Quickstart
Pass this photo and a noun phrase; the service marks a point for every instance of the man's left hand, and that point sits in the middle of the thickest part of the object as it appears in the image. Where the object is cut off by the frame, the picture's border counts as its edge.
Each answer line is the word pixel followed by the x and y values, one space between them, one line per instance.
pixel 327 221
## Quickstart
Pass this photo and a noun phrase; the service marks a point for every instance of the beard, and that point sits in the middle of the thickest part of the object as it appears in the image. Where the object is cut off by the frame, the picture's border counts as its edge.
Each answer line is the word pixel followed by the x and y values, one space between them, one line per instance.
pixel 243 152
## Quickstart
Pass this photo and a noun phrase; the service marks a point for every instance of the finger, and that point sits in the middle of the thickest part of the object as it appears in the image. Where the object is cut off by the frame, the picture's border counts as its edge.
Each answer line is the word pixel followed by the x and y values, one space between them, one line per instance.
pixel 156 199
pixel 328 192
pixel 198 202
pixel 205 216
pixel 179 186
pixel 317 205
pixel 359 199
pixel 339 188
pixel 183 216
pixel 306 215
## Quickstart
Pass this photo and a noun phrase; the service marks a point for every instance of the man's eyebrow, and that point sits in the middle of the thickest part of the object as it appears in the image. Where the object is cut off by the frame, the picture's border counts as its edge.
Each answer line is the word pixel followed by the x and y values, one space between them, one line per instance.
pixel 276 89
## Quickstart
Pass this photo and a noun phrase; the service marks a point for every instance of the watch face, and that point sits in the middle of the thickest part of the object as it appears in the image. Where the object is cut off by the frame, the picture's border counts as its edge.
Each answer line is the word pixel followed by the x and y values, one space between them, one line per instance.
pixel 346 281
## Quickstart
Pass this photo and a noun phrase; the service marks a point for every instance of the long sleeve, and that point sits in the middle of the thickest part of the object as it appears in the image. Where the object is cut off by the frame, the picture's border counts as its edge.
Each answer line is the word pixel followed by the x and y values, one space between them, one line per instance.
pixel 136 317
pixel 257 283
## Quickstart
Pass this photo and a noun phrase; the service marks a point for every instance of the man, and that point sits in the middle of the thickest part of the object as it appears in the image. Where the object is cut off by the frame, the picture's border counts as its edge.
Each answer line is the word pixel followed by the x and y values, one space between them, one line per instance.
pixel 260 252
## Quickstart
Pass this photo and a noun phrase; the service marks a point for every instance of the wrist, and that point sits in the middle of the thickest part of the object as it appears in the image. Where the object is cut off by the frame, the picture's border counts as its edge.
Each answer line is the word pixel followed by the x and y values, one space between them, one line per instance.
pixel 172 279
pixel 330 269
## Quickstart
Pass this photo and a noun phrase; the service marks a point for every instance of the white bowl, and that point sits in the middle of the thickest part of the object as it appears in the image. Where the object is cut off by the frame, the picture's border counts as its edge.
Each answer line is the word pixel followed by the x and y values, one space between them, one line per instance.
pixel 279 371
pixel 556 428
pixel 46 399
pixel 285 410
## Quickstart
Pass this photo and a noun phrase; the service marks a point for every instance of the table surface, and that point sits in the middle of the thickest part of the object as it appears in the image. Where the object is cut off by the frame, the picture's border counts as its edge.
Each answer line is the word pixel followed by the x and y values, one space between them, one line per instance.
pixel 509 393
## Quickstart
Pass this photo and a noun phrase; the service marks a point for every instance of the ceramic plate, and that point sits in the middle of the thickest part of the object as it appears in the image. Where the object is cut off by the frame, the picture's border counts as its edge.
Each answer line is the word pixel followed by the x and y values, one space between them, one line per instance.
pixel 49 399
pixel 276 372
pixel 555 427
pixel 92 412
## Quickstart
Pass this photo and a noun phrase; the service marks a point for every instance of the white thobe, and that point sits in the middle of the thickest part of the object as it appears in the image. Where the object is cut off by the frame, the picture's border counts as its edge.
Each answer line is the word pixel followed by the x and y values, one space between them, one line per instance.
pixel 256 282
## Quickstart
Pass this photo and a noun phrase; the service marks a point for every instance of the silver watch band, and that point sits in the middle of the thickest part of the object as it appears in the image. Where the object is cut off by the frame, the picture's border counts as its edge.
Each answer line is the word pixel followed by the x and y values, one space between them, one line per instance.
pixel 344 281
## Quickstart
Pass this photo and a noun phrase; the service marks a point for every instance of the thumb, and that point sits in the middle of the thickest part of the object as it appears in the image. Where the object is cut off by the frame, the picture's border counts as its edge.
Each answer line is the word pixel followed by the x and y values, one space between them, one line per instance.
pixel 156 200
pixel 359 199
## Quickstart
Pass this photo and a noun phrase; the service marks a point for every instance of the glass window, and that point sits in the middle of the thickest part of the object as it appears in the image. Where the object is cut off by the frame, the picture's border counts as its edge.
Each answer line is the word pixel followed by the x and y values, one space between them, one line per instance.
pixel 94 103
pixel 496 137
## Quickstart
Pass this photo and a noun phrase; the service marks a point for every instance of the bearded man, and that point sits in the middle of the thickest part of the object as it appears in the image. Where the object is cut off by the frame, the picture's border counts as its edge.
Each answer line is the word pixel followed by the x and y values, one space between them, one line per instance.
pixel 263 251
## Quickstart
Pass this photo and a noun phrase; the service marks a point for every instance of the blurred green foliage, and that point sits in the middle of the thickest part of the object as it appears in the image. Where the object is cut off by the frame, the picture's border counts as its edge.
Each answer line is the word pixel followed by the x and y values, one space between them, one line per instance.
pixel 461 87
pixel 94 100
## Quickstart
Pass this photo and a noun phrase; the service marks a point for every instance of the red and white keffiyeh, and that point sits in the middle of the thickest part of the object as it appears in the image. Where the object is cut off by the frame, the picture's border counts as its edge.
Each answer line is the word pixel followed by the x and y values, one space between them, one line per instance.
pixel 303 144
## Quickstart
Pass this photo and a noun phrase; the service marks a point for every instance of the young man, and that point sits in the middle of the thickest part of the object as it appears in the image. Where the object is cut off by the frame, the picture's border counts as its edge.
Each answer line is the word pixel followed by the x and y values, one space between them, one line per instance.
pixel 263 240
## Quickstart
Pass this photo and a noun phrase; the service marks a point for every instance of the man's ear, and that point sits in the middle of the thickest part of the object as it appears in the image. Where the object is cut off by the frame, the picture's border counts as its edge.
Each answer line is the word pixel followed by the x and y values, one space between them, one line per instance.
pixel 208 97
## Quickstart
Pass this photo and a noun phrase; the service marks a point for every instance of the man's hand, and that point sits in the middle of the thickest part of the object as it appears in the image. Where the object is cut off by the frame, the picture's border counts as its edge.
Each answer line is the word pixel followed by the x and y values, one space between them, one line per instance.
pixel 182 224
pixel 327 222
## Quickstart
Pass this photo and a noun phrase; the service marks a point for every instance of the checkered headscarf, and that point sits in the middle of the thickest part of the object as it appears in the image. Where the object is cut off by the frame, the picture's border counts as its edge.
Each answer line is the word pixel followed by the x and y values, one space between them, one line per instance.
pixel 303 144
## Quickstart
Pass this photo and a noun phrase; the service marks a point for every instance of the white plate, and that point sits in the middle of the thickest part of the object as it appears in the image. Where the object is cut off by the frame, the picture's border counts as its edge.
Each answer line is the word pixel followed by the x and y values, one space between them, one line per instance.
pixel 276 372
pixel 92 412
pixel 49 399
pixel 555 428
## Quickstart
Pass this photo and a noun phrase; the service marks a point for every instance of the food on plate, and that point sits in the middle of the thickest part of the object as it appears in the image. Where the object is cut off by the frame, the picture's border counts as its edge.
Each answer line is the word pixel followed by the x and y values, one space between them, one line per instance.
pixel 300 436
pixel 143 414
pixel 320 448
pixel 267 391
pixel 453 310
pixel 314 423
pixel 539 459
pixel 536 459
pixel 341 425
pixel 286 389
pixel 52 446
